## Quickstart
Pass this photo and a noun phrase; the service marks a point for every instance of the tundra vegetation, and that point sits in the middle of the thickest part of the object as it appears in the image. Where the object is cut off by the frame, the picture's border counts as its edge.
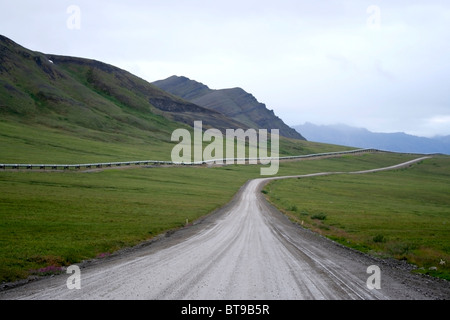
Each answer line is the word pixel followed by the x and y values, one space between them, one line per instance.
pixel 402 214
pixel 50 220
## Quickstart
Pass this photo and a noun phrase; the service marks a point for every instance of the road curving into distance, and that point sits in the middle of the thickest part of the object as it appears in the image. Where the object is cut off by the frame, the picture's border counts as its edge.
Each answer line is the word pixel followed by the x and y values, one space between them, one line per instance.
pixel 246 250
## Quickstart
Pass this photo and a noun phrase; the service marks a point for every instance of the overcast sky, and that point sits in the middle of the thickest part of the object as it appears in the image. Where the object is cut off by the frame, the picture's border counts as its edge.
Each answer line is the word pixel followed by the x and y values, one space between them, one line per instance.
pixel 382 65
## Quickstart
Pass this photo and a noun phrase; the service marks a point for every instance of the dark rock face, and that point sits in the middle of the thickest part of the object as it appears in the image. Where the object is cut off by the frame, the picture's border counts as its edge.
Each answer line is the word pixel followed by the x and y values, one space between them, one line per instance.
pixel 235 103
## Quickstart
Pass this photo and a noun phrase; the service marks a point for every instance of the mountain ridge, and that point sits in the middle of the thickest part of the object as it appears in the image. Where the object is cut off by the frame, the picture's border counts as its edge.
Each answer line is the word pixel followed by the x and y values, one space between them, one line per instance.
pixel 88 109
pixel 61 109
pixel 33 84
pixel 235 103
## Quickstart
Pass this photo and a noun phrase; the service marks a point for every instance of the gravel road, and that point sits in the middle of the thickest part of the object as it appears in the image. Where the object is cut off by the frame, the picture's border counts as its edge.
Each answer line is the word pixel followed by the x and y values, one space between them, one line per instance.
pixel 246 250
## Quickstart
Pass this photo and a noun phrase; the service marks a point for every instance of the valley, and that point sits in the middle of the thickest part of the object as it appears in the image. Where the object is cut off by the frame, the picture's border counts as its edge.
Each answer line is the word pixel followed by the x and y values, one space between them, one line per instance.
pixel 68 110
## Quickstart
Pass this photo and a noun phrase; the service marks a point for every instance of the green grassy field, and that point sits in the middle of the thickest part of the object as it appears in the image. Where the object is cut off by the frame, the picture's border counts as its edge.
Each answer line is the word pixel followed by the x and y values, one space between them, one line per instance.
pixel 54 219
pixel 40 144
pixel 404 214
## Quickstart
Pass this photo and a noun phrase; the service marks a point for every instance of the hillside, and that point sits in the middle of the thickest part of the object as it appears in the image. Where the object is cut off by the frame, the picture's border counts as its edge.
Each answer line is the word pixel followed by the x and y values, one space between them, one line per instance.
pixel 59 109
pixel 234 103
pixel 363 138
pixel 46 84
pixel 70 101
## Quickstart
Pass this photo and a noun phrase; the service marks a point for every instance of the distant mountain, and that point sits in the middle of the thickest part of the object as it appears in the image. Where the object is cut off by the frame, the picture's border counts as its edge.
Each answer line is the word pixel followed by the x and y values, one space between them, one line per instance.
pixel 234 103
pixel 362 138
pixel 445 139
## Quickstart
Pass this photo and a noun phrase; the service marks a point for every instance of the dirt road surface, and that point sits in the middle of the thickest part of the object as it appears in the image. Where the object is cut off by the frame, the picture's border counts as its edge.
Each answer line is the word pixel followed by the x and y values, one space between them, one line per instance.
pixel 246 250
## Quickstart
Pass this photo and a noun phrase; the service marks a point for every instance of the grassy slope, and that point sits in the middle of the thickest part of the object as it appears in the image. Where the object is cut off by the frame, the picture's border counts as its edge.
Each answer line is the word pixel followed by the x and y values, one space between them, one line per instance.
pixel 37 143
pixel 58 113
pixel 40 144
pixel 78 110
pixel 403 214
